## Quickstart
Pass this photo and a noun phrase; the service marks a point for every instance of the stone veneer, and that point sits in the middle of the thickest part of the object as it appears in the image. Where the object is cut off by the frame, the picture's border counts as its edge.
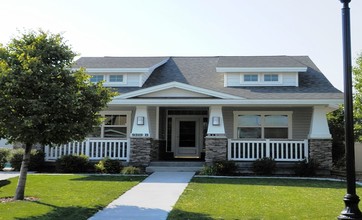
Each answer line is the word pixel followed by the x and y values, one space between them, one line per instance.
pixel 321 151
pixel 140 154
pixel 215 149
pixel 155 152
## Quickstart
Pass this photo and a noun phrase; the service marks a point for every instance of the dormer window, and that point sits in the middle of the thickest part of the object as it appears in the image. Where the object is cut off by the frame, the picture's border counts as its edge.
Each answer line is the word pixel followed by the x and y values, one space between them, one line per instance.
pixel 96 78
pixel 271 78
pixel 251 78
pixel 116 78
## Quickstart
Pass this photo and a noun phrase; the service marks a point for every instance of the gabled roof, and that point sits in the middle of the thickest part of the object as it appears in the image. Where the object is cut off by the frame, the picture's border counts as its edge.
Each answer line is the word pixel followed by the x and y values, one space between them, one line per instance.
pixel 184 88
pixel 202 72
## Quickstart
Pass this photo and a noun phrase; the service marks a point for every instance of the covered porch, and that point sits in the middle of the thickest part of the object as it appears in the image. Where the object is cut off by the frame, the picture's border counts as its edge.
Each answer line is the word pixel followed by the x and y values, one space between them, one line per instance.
pixel 141 134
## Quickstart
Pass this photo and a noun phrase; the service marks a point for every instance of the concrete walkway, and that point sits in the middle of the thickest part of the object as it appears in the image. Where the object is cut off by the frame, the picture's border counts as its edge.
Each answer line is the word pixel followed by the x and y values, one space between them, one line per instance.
pixel 152 199
pixel 8 175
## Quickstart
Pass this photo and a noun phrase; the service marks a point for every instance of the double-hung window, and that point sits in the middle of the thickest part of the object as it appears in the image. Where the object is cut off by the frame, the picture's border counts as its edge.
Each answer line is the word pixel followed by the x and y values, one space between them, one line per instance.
pixel 265 125
pixel 115 125
pixel 250 77
pixel 116 78
pixel 271 78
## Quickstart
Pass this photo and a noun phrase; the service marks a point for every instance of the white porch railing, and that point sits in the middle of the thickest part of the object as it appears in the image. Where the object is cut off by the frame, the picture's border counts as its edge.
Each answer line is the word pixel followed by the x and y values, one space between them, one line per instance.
pixel 95 149
pixel 279 150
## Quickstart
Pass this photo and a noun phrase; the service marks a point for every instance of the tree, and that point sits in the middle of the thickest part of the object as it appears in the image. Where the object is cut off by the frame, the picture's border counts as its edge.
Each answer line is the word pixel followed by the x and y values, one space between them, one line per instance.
pixel 336 127
pixel 357 98
pixel 42 100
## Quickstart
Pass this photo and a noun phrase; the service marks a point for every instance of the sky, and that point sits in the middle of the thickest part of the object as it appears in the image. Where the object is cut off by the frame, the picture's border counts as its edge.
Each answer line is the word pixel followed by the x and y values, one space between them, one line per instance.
pixel 193 27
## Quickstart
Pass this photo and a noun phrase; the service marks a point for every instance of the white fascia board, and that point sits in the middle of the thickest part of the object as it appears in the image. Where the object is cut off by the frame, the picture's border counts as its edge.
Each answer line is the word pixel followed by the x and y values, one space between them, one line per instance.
pixel 225 102
pixel 115 70
pixel 179 86
pixel 260 69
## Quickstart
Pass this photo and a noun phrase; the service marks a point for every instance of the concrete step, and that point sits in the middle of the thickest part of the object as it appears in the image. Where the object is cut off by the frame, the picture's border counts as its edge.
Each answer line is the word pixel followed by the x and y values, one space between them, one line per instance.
pixel 174 166
pixel 151 169
pixel 177 163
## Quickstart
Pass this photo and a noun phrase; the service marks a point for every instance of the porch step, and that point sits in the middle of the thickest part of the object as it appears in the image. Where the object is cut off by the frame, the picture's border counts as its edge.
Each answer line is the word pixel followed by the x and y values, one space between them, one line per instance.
pixel 174 166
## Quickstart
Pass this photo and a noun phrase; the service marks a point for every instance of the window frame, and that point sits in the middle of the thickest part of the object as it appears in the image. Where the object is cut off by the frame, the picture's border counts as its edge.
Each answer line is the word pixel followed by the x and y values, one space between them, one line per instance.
pixel 261 79
pixel 103 125
pixel 262 122
pixel 93 75
pixel 106 79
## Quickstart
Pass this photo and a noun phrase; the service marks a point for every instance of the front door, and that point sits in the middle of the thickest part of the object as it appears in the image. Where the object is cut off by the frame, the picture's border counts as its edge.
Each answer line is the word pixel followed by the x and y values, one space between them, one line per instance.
pixel 187 137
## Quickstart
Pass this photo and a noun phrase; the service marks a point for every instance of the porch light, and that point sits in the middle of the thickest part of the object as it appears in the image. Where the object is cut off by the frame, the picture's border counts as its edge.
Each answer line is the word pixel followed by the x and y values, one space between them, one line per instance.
pixel 140 120
pixel 351 200
pixel 215 120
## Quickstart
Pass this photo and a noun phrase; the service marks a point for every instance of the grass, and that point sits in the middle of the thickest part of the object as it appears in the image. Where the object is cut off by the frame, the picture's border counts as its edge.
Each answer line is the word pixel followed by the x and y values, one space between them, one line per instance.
pixel 63 196
pixel 208 198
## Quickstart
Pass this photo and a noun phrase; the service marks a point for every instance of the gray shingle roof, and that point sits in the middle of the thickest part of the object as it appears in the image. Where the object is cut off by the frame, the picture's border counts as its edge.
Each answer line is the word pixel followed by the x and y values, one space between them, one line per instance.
pixel 118 62
pixel 258 61
pixel 201 72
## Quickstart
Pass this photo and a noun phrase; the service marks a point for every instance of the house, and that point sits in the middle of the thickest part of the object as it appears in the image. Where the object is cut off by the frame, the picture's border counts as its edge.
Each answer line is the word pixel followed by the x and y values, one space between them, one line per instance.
pixel 237 108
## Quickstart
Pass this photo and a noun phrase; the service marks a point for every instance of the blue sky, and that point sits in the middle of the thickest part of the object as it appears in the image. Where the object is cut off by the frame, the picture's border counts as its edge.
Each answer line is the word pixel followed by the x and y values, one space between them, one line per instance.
pixel 193 27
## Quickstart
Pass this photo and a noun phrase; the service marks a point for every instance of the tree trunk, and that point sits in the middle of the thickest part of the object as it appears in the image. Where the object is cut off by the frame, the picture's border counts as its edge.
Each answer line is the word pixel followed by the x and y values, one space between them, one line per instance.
pixel 20 189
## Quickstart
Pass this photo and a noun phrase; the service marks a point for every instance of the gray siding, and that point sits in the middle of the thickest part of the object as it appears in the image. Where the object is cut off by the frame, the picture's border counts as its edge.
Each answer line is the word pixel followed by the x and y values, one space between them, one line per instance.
pixel 301 119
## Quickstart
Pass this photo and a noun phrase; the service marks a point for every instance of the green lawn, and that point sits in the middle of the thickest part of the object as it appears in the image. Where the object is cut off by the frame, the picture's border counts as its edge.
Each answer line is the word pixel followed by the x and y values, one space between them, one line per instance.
pixel 209 198
pixel 63 196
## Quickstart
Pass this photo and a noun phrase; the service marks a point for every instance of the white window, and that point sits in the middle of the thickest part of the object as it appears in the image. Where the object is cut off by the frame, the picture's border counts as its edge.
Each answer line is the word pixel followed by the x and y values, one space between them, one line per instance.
pixel 96 78
pixel 116 78
pixel 115 125
pixel 271 78
pixel 266 125
pixel 251 78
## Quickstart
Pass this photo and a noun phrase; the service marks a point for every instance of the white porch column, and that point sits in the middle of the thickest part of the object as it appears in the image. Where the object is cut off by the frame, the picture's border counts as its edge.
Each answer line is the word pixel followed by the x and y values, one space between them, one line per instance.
pixel 141 123
pixel 216 122
pixel 319 126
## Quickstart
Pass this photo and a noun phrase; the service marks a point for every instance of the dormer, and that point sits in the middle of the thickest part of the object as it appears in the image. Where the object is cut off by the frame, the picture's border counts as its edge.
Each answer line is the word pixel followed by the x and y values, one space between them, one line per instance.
pixel 260 71
pixel 120 71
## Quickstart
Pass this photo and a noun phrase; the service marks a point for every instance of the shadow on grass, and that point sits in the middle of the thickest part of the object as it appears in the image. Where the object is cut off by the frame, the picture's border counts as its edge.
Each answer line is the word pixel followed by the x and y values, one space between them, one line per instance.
pixel 64 213
pixel 4 182
pixel 272 182
pixel 177 214
pixel 108 178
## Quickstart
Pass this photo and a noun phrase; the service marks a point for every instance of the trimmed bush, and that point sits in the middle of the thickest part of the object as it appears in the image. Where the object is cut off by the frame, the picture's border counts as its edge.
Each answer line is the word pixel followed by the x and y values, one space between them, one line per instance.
pixel 4 155
pixel 107 165
pixel 219 168
pixel 73 164
pixel 305 168
pixel 36 159
pixel 264 166
pixel 131 170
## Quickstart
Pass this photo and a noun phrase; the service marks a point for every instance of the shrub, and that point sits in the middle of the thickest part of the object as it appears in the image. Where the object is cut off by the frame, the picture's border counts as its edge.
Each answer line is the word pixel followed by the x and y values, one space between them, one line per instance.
pixel 131 170
pixel 107 165
pixel 305 168
pixel 264 166
pixel 36 159
pixel 72 164
pixel 208 170
pixel 219 168
pixel 4 154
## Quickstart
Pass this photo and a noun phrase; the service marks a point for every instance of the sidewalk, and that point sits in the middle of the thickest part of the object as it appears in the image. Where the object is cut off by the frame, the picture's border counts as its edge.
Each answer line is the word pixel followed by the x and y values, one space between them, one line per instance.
pixel 7 175
pixel 152 199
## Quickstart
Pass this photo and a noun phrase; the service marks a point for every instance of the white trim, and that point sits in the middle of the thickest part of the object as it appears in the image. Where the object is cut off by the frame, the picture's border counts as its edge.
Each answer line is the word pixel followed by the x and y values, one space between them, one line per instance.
pixel 319 124
pixel 179 86
pixel 260 69
pixel 114 70
pixel 157 135
pixel 225 102
pixel 263 113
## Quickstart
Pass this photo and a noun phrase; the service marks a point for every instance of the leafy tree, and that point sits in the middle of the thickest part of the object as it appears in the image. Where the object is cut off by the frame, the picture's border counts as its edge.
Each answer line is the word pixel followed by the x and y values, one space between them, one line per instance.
pixel 357 99
pixel 42 100
pixel 336 127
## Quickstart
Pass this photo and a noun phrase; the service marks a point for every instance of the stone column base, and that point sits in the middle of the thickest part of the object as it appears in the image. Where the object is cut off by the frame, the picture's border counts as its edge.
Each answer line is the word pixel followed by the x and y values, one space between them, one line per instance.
pixel 215 149
pixel 320 150
pixel 140 154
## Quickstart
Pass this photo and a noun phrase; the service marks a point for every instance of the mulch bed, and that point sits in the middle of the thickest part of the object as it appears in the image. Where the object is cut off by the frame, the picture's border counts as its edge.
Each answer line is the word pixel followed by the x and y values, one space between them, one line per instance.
pixel 11 199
